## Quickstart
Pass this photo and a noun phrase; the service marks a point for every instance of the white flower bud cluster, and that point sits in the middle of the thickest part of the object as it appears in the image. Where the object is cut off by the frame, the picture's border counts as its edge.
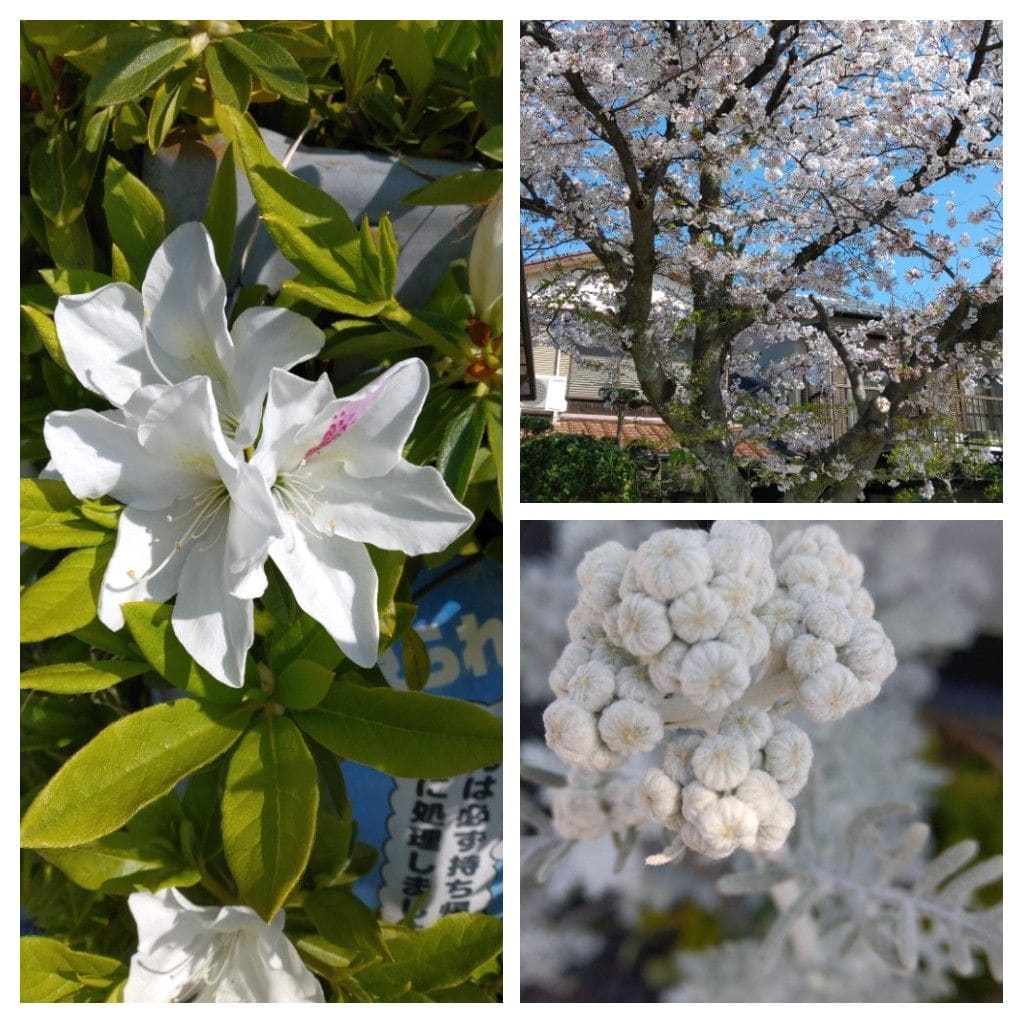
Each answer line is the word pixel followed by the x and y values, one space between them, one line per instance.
pixel 731 790
pixel 706 641
pixel 835 654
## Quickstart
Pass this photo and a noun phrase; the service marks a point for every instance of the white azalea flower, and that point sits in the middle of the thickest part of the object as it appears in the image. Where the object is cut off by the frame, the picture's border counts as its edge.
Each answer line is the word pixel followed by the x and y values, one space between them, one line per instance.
pixel 198 520
pixel 335 468
pixel 190 954
pixel 116 339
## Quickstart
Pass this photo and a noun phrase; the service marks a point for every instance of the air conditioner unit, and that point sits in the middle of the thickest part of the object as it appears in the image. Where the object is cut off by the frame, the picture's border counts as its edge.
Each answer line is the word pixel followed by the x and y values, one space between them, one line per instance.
pixel 550 394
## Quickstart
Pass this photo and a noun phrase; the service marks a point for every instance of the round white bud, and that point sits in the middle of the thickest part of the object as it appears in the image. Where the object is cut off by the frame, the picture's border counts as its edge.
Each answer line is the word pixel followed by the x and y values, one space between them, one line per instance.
pixel 605 562
pixel 870 654
pixel 803 569
pixel 664 669
pixel 788 754
pixel 807 654
pixel 629 727
pixel 660 796
pixel 592 686
pixel 775 824
pixel 644 626
pixel 738 592
pixel 729 821
pixel 670 562
pixel 695 798
pixel 713 675
pixel 830 620
pixel 748 635
pixel 573 655
pixel 632 683
pixel 721 762
pixel 759 791
pixel 585 625
pixel 570 731
pixel 783 618
pixel 698 615
pixel 831 692
pixel 677 758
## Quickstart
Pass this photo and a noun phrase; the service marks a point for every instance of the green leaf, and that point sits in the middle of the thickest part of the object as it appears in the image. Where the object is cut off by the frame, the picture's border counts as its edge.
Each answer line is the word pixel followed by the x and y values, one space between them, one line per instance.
pixel 150 626
pixel 73 282
pixel 122 864
pixel 459 446
pixel 164 108
pixel 327 297
pixel 222 211
pixel 342 918
pixel 361 47
pixel 492 410
pixel 128 765
pixel 48 166
pixel 304 638
pixel 65 598
pixel 486 92
pixel 490 144
pixel 269 813
pixel 415 660
pixel 411 735
pixel 272 64
pixel 135 217
pixel 80 677
pixel 39 330
pixel 128 74
pixel 439 957
pixel 411 57
pixel 307 225
pixel 302 684
pixel 229 79
pixel 469 189
pixel 51 518
pixel 54 973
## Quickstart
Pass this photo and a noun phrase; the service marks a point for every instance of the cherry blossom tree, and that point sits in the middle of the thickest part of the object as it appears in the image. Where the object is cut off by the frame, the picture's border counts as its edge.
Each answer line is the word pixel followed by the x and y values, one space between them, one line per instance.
pixel 773 170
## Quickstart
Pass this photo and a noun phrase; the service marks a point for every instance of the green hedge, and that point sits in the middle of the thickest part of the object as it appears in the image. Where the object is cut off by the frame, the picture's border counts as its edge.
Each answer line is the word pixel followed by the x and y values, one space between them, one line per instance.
pixel 566 467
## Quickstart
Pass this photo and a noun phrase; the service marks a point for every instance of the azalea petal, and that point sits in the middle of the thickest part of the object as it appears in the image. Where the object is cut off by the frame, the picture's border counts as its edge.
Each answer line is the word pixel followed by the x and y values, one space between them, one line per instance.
pixel 334 581
pixel 146 562
pixel 410 509
pixel 253 524
pixel 97 454
pixel 265 339
pixel 101 337
pixel 367 431
pixel 184 296
pixel 292 403
pixel 182 428
pixel 213 625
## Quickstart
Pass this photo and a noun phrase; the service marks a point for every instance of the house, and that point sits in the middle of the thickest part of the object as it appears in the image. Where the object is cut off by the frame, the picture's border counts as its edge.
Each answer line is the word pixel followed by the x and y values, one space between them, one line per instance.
pixel 572 388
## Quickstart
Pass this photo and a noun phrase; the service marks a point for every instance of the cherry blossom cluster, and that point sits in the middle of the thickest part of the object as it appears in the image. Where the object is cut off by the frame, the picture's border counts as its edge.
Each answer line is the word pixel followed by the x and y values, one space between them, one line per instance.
pixel 696 647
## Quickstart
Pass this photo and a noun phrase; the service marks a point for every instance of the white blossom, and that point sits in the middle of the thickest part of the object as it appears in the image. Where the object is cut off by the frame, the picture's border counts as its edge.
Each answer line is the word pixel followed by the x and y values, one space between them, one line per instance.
pixel 592 685
pixel 670 562
pixel 713 675
pixel 831 692
pixel 643 625
pixel 699 614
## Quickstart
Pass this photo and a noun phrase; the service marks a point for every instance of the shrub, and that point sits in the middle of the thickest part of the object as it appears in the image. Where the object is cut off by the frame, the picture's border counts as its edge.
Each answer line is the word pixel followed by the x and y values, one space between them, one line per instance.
pixel 566 467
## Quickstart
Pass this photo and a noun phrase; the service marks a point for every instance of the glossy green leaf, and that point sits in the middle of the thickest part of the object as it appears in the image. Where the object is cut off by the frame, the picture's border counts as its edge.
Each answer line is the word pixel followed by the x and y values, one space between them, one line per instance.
pixel 128 765
pixel 459 446
pixel 73 282
pixel 54 973
pixel 135 217
pixel 492 410
pixel 230 80
pixel 65 598
pixel 436 958
pixel 128 74
pixel 308 226
pixel 271 63
pixel 470 188
pixel 269 813
pixel 302 684
pixel 486 92
pixel 304 638
pixel 411 735
pixel 40 331
pixel 411 56
pixel 490 143
pixel 415 660
pixel 80 677
pixel 222 211
pixel 121 864
pixel 340 916
pixel 163 110
pixel 333 299
pixel 361 47
pixel 48 167
pixel 150 626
